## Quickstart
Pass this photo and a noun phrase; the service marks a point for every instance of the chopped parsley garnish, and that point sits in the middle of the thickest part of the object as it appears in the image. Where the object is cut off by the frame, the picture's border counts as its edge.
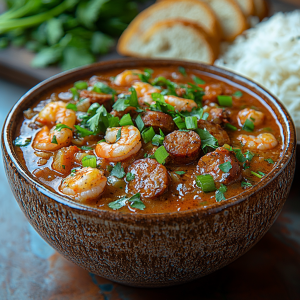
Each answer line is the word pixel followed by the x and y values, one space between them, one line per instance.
pixel 160 104
pixel 161 155
pixel 54 140
pixel 125 101
pixel 148 134
pixel 225 167
pixel 237 94
pixel 182 71
pixel 22 141
pixel 139 123
pixel 87 147
pixel 126 120
pixel 71 106
pixel 180 172
pixel 198 80
pixel 220 193
pixel 207 140
pixel 230 127
pixel 130 176
pixel 102 88
pixel 101 141
pixel 60 126
pixel 146 76
pixel 83 131
pixel 75 93
pixel 180 122
pixel 256 174
pixel 158 139
pixel 63 166
pixel 205 116
pixel 261 173
pixel 249 155
pixel 239 155
pixel 225 100
pixel 193 92
pixel 269 160
pixel 73 172
pixel 246 184
pixel 170 86
pixel 206 183
pixel 118 171
pixel 118 136
pixel 81 85
pixel 134 202
pixel 248 125
pixel 89 161
pixel 191 123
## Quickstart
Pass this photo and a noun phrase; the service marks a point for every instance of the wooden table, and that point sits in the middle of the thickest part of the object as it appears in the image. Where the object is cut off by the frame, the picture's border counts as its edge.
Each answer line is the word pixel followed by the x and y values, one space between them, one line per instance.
pixel 32 270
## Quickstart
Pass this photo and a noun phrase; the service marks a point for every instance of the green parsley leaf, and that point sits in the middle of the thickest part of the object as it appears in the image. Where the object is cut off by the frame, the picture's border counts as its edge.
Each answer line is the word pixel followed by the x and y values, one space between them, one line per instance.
pixel 182 71
pixel 237 94
pixel 81 85
pixel 239 155
pixel 60 126
pixel 220 193
pixel 75 93
pixel 269 160
pixel 86 148
pixel 207 140
pixel 54 140
pixel 135 202
pixel 248 126
pixel 118 171
pixel 146 76
pixel 130 176
pixel 230 127
pixel 22 141
pixel 225 167
pixel 118 134
pixel 102 88
pixel 245 184
pixel 157 140
pixel 83 131
pixel 101 141
pixel 125 101
pixel 198 80
pixel 71 106
pixel 118 203
pixel 126 120
pixel 249 155
pixel 180 172
pixel 139 123
pixel 170 86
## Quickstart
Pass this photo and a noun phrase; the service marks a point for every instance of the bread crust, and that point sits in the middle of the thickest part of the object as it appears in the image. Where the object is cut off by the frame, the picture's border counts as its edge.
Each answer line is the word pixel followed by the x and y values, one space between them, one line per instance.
pixel 134 26
pixel 261 9
pixel 247 7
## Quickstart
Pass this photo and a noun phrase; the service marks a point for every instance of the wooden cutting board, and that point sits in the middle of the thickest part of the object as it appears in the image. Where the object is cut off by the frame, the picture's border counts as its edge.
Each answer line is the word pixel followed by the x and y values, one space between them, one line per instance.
pixel 15 62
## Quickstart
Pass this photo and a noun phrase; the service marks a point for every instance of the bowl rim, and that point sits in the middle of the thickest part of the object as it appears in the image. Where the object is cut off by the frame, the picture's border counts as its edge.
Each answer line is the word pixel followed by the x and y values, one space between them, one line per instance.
pixel 213 71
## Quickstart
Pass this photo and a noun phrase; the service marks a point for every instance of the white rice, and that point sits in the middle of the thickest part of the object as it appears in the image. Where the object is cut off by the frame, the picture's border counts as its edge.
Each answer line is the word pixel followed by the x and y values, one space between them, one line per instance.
pixel 269 54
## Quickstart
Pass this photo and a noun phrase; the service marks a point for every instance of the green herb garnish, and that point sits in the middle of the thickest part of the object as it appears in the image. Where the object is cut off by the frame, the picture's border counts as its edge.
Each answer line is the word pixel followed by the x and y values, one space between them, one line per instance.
pixel 269 160
pixel 130 176
pixel 180 172
pixel 118 171
pixel 60 126
pixel 182 71
pixel 83 131
pixel 118 136
pixel 89 161
pixel 54 140
pixel 237 94
pixel 22 141
pixel 230 127
pixel 225 167
pixel 148 134
pixel 206 183
pixel 134 202
pixel 139 123
pixel 126 120
pixel 207 140
pixel 198 80
pixel 81 85
pixel 248 125
pixel 180 122
pixel 191 123
pixel 246 184
pixel 220 193
pixel 256 174
pixel 225 100
pixel 161 154
pixel 71 106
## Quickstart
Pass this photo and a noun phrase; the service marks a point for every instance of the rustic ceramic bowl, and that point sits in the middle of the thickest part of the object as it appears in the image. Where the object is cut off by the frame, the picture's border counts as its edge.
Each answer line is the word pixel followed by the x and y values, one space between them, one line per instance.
pixel 151 250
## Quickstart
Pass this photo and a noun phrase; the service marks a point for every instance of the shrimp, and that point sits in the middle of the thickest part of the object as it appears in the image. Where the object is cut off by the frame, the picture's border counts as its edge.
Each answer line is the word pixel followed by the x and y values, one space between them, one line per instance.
pixel 248 113
pixel 52 140
pixel 129 143
pixel 143 88
pixel 86 184
pixel 56 112
pixel 127 77
pixel 264 141
pixel 181 104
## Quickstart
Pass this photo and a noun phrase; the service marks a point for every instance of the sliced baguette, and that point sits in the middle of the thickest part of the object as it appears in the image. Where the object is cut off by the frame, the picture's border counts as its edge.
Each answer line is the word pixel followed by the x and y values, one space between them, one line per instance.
pixel 192 10
pixel 247 7
pixel 231 18
pixel 260 9
pixel 175 38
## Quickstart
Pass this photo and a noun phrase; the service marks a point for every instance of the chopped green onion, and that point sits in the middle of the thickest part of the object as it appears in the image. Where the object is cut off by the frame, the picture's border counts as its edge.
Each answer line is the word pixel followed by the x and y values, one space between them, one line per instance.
pixel 248 126
pixel 101 141
pixel 230 127
pixel 22 141
pixel 118 171
pixel 249 155
pixel 180 172
pixel 179 122
pixel 205 116
pixel 130 176
pixel 83 131
pixel 225 167
pixel 207 140
pixel 220 193
pixel 81 85
pixel 257 175
pixel 245 184
pixel 126 120
pixel 225 100
pixel 237 94
pixel 54 140
pixel 118 134
pixel 71 106
pixel 182 71
pixel 158 140
pixel 206 183
pixel 86 148
pixel 139 123
pixel 198 80
pixel 75 93
pixel 239 155
pixel 60 126
pixel 191 122
pixel 261 173
pixel 161 155
pixel 269 160
pixel 148 134
pixel 89 161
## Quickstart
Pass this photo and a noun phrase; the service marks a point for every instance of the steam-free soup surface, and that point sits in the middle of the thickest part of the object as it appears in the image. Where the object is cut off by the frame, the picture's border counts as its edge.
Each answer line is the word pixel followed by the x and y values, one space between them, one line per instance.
pixel 149 141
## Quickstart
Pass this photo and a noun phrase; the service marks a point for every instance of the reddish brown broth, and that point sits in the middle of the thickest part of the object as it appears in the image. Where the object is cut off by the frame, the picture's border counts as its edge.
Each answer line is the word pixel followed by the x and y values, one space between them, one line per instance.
pixel 183 194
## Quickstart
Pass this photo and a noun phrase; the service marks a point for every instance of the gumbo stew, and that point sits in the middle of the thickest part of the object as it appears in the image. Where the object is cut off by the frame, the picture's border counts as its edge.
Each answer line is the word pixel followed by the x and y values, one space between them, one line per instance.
pixel 149 141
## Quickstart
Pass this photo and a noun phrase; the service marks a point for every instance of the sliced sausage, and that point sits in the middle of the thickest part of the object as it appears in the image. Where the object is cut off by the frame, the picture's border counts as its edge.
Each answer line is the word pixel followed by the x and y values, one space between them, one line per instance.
pixel 151 178
pixel 215 130
pixel 209 164
pixel 95 97
pixel 183 146
pixel 158 120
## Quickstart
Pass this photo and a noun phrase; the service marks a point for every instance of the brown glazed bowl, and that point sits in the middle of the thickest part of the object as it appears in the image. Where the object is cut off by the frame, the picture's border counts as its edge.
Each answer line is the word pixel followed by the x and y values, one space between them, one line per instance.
pixel 151 250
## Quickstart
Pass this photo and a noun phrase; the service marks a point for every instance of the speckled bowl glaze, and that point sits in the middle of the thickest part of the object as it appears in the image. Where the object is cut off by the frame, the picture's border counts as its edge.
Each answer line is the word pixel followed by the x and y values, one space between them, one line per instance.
pixel 151 250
